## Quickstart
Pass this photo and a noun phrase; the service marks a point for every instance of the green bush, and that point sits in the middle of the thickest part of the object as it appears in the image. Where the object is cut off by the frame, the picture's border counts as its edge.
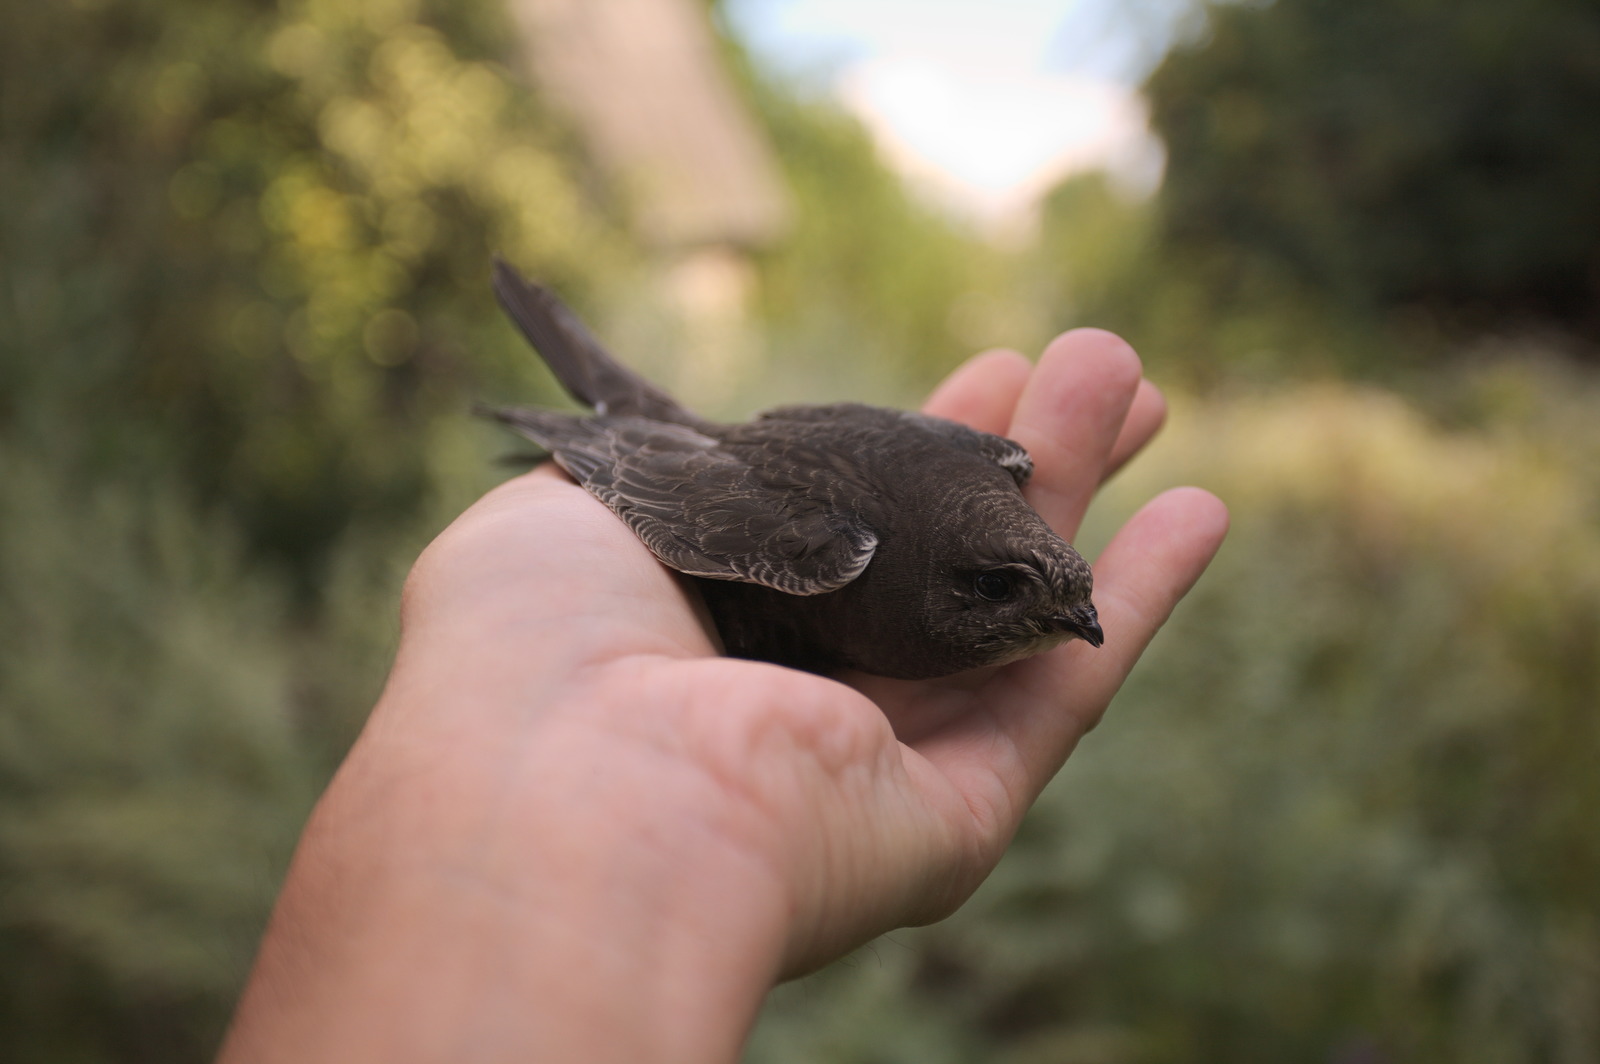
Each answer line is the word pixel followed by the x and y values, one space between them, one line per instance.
pixel 152 773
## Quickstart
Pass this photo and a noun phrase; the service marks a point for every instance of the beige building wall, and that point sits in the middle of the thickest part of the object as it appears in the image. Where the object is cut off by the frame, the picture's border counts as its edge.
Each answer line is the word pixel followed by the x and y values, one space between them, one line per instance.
pixel 644 86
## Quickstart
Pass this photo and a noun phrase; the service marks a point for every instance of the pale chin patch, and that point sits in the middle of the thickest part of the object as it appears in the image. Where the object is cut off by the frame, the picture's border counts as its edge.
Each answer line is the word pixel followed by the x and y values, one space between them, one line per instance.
pixel 1037 645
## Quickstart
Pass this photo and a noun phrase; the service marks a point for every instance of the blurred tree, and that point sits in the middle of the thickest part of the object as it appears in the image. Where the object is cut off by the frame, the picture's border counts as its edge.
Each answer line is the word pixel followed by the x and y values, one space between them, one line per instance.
pixel 252 243
pixel 1102 259
pixel 1410 155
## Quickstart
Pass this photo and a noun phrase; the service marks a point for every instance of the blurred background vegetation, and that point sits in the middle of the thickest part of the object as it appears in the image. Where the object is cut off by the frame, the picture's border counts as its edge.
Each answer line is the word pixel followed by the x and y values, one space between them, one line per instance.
pixel 1346 811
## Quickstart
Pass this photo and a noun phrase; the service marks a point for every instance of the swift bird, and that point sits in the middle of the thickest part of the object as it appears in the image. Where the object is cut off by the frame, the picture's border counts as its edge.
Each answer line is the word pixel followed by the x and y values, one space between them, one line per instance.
pixel 821 537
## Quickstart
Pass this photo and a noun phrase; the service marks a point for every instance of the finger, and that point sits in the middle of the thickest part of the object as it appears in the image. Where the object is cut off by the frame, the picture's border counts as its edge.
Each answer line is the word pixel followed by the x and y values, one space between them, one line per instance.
pixel 1044 705
pixel 982 391
pixel 1145 570
pixel 1145 418
pixel 1148 566
pixel 1069 417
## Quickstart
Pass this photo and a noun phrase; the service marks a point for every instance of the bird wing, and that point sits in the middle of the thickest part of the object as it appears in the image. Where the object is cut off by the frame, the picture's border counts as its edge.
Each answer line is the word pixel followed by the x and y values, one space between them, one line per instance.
pixel 1007 454
pixel 700 507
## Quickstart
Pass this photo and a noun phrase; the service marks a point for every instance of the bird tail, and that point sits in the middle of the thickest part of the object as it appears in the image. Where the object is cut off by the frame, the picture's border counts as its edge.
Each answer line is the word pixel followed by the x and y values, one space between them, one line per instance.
pixel 579 444
pixel 582 365
pixel 546 428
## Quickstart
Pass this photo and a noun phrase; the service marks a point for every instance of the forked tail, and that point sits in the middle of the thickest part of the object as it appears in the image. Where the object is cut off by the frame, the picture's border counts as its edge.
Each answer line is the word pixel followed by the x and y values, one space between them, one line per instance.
pixel 584 367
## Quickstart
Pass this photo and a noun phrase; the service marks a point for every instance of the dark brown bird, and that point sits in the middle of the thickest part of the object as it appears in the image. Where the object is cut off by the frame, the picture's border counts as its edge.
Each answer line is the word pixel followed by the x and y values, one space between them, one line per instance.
pixel 821 537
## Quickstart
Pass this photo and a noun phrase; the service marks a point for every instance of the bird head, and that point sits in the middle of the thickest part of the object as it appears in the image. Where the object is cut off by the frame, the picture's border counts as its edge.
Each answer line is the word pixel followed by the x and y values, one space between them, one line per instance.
pixel 1006 585
pixel 1025 597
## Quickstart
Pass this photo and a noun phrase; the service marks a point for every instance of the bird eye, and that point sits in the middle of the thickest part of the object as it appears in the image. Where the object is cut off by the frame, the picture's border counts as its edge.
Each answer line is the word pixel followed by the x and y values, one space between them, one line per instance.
pixel 995 585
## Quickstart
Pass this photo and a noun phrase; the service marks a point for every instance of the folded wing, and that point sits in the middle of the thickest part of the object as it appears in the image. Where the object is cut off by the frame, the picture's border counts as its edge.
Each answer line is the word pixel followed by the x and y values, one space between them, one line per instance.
pixel 701 508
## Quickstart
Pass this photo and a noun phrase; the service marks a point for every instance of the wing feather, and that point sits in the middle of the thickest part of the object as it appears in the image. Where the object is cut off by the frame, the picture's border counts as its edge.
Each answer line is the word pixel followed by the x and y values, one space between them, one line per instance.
pixel 700 507
pixel 1005 453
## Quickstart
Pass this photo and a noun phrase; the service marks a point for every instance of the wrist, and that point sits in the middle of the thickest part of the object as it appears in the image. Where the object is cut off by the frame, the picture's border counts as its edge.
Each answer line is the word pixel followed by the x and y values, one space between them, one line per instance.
pixel 551 895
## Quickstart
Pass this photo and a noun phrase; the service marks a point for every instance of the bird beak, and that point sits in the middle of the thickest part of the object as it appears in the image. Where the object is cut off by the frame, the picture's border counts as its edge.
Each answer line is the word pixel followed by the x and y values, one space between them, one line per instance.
pixel 1084 623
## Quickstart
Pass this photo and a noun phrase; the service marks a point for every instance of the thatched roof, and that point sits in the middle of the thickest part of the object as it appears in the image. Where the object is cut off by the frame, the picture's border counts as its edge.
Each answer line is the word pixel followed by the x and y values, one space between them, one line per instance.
pixel 643 83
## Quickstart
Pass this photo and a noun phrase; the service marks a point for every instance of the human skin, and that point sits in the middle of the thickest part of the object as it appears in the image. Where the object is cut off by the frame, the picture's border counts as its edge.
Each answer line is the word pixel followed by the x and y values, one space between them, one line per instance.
pixel 571 832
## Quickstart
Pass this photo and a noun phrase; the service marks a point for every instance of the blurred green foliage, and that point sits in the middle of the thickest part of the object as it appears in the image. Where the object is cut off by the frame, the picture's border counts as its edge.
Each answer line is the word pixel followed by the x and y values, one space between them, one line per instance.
pixel 1343 813
pixel 249 241
pixel 1360 187
pixel 151 781
pixel 1392 155
pixel 1104 258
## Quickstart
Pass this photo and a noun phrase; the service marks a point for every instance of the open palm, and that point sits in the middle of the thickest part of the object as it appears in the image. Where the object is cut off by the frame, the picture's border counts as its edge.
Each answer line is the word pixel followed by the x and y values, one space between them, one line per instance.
pixel 873 803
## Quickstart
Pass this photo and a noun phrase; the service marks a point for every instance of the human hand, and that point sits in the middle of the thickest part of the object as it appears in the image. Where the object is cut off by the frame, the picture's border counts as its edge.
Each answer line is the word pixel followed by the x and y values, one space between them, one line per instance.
pixel 558 737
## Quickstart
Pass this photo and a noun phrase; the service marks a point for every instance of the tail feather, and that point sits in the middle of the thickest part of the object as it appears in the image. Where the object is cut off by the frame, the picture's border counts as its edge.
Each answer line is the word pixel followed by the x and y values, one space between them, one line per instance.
pixel 582 365
pixel 547 428
pixel 577 443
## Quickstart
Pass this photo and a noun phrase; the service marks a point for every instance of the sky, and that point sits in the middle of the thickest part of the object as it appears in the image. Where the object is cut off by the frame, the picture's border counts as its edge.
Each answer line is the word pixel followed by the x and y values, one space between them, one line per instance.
pixel 984 103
